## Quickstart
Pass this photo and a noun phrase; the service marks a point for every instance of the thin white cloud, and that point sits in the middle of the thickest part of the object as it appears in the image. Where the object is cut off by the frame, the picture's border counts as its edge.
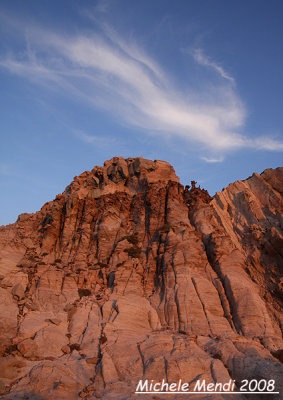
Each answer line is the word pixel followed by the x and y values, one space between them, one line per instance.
pixel 213 160
pixel 268 143
pixel 97 141
pixel 85 137
pixel 108 72
pixel 101 142
pixel 204 60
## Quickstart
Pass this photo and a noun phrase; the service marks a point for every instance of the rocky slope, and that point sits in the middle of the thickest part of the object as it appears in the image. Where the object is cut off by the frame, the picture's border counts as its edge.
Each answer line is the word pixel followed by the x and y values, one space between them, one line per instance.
pixel 128 276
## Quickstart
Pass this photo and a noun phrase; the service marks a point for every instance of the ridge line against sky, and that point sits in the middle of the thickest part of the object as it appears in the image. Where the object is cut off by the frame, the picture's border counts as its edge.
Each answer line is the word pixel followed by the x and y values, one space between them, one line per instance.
pixel 195 83
pixel 105 71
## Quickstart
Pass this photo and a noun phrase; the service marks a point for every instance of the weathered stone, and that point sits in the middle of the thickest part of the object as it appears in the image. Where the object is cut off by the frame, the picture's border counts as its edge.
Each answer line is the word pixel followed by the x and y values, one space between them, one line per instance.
pixel 8 314
pixel 66 349
pixel 19 291
pixel 126 275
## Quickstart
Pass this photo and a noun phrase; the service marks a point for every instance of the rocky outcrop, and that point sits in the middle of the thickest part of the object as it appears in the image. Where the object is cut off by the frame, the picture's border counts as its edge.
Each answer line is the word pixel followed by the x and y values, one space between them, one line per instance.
pixel 126 275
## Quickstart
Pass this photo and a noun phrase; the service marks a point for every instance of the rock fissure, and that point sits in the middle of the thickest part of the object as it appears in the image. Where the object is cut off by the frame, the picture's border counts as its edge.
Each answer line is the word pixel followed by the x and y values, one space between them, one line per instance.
pixel 127 275
pixel 202 304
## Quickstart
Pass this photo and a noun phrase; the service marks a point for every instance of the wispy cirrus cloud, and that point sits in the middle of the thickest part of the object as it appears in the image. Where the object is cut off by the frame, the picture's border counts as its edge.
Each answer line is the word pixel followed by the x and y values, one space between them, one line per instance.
pixel 212 160
pixel 206 61
pixel 97 141
pixel 104 70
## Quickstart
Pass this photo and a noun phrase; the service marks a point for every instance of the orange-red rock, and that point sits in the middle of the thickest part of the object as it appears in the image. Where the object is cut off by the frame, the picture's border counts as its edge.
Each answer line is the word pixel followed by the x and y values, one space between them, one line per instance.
pixel 126 275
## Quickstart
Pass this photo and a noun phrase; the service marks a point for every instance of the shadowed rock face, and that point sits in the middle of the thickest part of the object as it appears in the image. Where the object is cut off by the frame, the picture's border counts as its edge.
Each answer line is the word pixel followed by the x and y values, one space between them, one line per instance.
pixel 128 276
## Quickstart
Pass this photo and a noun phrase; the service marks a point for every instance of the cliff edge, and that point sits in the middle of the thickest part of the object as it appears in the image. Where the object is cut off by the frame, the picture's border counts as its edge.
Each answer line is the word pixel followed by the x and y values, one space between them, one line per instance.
pixel 127 275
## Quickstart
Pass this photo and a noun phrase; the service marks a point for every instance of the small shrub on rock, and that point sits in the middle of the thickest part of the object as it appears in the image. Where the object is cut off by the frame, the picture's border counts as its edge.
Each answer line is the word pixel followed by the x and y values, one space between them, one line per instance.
pixel 133 252
pixel 133 239
pixel 84 292
pixel 165 228
pixel 75 346
pixel 103 339
pixel 103 265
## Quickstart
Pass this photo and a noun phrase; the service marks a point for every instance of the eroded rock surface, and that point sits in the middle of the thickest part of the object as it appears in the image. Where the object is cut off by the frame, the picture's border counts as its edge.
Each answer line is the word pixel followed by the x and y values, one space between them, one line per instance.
pixel 128 276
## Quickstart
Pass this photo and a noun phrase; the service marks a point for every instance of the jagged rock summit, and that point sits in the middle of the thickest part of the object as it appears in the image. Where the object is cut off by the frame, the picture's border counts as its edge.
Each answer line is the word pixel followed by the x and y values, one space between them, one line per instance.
pixel 127 275
pixel 131 175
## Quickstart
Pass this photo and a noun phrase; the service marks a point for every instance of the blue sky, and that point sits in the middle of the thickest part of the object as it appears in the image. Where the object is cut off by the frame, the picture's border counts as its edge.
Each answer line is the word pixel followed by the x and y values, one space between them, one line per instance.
pixel 196 83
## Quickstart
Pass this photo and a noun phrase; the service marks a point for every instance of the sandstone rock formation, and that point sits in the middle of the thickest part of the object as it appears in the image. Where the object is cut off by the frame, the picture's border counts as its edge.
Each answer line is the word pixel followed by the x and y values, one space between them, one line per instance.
pixel 127 276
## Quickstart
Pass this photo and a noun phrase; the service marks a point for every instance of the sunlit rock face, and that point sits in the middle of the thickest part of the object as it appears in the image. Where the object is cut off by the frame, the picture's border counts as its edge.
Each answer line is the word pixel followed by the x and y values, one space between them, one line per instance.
pixel 127 275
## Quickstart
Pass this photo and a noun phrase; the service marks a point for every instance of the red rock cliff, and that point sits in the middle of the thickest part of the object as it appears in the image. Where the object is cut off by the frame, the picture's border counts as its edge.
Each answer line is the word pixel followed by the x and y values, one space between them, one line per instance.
pixel 128 276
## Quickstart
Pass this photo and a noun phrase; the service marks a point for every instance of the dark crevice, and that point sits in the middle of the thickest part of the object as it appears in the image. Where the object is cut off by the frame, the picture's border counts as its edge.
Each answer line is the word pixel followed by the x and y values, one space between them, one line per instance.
pixel 203 306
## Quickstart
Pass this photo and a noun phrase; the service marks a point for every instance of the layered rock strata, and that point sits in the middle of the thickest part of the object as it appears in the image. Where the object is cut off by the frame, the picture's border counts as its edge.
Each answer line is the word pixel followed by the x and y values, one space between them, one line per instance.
pixel 126 275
